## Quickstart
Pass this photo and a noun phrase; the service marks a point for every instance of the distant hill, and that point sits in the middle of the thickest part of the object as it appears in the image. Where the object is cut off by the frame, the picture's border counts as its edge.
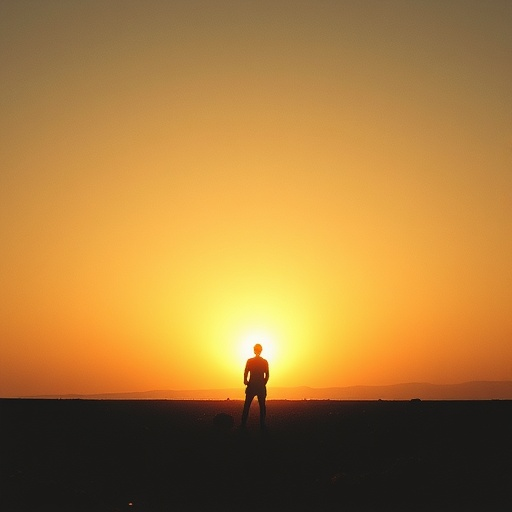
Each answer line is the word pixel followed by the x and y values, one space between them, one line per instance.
pixel 477 390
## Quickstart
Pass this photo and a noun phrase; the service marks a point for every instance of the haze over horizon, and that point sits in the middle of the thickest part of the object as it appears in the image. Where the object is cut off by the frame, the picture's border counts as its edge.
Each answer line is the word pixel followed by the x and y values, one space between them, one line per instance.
pixel 183 179
pixel 477 390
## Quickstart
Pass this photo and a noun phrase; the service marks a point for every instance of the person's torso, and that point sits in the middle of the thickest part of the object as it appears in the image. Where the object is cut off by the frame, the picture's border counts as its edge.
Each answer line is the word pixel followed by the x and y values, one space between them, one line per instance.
pixel 257 367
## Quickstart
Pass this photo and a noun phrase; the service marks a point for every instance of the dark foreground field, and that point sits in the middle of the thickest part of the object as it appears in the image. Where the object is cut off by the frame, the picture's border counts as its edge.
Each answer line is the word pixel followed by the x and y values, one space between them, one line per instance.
pixel 78 455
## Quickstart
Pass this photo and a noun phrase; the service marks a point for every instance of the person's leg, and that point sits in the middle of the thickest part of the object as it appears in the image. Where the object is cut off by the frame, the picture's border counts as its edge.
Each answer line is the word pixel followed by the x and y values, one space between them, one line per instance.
pixel 247 404
pixel 263 408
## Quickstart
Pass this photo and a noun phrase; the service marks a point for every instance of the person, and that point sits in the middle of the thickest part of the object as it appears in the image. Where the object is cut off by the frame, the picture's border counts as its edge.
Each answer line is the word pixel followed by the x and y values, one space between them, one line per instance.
pixel 256 384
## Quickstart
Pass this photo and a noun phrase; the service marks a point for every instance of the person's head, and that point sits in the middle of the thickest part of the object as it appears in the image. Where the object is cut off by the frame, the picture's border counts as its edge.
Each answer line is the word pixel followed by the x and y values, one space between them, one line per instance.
pixel 257 349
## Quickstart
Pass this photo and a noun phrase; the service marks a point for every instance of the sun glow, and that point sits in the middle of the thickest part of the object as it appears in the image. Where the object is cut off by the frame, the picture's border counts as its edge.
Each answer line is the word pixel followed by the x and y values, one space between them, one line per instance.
pixel 266 340
pixel 237 318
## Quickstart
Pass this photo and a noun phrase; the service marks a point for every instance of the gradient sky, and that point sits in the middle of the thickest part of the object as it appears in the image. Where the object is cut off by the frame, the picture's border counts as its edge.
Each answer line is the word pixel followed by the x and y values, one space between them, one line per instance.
pixel 180 179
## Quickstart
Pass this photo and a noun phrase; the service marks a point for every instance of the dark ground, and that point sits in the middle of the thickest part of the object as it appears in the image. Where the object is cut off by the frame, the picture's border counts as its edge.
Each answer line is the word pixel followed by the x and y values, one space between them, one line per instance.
pixel 152 456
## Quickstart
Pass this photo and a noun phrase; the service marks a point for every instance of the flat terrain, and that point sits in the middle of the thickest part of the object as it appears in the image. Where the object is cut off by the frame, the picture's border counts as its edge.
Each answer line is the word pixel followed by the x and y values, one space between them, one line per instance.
pixel 86 455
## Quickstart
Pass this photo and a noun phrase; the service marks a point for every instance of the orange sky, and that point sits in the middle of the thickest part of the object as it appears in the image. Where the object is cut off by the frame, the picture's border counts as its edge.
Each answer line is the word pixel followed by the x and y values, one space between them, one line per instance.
pixel 181 178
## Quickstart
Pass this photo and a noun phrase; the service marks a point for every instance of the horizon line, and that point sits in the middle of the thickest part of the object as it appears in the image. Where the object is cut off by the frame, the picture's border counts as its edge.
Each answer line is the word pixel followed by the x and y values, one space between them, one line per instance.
pixel 485 389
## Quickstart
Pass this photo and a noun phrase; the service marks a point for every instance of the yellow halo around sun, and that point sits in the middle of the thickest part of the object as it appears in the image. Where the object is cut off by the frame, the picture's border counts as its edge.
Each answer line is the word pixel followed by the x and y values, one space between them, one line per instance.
pixel 266 340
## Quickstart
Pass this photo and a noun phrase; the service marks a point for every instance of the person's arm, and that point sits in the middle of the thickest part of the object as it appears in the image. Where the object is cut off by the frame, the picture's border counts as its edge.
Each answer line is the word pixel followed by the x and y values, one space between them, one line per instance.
pixel 246 372
pixel 267 374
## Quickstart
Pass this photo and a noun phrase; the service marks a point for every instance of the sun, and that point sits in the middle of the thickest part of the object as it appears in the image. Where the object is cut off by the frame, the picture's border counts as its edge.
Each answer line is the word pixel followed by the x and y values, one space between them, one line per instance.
pixel 251 338
pixel 233 329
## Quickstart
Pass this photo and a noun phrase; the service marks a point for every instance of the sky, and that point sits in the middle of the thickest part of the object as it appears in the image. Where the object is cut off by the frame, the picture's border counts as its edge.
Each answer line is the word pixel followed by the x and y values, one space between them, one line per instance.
pixel 182 179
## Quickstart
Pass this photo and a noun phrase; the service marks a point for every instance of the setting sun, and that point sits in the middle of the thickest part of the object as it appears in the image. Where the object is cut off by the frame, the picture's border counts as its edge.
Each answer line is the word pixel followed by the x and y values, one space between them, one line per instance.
pixel 270 349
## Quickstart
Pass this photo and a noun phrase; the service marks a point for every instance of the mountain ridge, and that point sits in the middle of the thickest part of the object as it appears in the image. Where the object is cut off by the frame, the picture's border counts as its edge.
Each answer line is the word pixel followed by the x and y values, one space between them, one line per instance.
pixel 472 390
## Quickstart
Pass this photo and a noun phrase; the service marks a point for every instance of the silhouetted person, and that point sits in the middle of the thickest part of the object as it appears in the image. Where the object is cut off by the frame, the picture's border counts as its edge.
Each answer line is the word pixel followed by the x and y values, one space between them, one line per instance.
pixel 257 370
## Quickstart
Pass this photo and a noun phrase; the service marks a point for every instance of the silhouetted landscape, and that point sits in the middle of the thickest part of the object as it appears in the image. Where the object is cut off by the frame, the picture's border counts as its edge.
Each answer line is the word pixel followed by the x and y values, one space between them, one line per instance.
pixel 477 390
pixel 315 455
